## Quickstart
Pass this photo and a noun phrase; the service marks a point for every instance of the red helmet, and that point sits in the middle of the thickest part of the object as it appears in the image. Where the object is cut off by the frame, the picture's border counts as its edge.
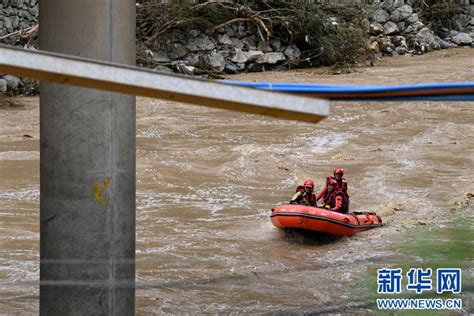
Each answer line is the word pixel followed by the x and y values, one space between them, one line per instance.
pixel 338 170
pixel 308 183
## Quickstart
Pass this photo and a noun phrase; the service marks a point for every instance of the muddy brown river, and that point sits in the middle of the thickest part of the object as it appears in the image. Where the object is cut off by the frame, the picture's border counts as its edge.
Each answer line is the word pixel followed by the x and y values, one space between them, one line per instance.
pixel 208 178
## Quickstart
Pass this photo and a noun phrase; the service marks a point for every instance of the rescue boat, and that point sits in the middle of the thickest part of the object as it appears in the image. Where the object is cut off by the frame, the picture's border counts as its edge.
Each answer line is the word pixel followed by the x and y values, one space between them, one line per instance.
pixel 323 220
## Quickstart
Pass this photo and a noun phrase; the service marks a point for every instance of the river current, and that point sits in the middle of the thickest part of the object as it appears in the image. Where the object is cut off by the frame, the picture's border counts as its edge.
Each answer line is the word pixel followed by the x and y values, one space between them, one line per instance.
pixel 207 180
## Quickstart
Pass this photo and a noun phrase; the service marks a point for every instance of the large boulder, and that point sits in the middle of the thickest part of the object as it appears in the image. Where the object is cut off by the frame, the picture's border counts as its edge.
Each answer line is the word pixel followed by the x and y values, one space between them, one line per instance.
pixel 237 43
pixel 15 22
pixel 395 16
pixel 405 11
pixel 253 54
pixel 8 24
pixel 381 16
pixel 8 11
pixel 462 39
pixel 426 36
pixel 387 4
pixel 241 57
pixel 415 27
pixel 177 51
pixel 192 59
pixel 293 53
pixel 213 62
pixel 203 43
pixel 412 18
pixel 398 3
pixel 13 83
pixel 375 29
pixel 390 28
pixel 270 58
pixel 34 10
pixel 25 15
pixel 401 13
pixel 224 39
pixel 444 44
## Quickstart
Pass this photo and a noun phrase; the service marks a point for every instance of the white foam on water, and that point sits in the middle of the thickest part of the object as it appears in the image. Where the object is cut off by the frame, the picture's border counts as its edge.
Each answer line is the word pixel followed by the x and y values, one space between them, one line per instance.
pixel 150 133
pixel 27 194
pixel 20 271
pixel 323 141
pixel 347 117
pixel 289 182
pixel 213 199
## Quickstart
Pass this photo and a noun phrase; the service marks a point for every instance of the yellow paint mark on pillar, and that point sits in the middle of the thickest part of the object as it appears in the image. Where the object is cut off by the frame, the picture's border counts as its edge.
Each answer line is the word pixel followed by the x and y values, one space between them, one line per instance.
pixel 98 191
pixel 106 183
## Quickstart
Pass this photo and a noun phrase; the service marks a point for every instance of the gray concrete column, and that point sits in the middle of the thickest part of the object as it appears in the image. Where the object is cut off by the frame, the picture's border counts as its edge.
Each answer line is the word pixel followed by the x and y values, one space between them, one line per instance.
pixel 87 260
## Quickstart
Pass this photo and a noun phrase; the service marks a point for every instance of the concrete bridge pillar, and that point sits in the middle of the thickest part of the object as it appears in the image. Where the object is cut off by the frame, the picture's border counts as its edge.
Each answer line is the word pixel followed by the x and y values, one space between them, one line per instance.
pixel 87 252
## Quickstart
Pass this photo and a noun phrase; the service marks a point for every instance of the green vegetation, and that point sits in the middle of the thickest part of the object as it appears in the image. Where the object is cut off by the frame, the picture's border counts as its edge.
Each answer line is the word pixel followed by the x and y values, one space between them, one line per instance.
pixel 327 34
pixel 438 14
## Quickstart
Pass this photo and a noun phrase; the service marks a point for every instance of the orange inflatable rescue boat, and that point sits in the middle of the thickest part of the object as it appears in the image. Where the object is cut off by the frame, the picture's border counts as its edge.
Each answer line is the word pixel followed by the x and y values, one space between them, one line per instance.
pixel 322 220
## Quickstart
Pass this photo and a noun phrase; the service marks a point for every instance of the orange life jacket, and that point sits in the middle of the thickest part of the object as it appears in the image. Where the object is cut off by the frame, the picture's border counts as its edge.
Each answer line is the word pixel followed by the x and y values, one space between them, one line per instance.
pixel 341 184
pixel 306 198
pixel 330 200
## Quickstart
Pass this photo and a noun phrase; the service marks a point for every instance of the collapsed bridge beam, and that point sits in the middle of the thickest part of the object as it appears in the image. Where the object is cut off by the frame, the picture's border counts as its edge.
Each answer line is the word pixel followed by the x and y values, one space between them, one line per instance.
pixel 138 81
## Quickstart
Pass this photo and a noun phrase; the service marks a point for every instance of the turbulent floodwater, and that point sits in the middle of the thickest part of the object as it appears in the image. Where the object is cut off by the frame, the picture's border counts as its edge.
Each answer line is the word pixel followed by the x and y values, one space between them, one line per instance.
pixel 208 178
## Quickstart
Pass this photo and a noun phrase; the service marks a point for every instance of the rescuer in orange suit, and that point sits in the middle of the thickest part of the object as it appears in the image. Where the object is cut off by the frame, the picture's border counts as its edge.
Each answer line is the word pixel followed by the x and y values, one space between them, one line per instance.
pixel 341 183
pixel 305 194
pixel 335 198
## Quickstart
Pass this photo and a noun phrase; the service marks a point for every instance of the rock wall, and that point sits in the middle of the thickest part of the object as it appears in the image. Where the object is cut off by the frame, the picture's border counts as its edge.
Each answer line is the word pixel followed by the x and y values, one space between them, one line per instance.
pixel 396 29
pixel 232 49
pixel 17 16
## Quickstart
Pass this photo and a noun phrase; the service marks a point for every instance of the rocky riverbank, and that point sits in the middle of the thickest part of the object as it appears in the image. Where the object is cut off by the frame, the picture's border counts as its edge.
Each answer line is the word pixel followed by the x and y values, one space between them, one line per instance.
pixel 394 27
pixel 233 49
